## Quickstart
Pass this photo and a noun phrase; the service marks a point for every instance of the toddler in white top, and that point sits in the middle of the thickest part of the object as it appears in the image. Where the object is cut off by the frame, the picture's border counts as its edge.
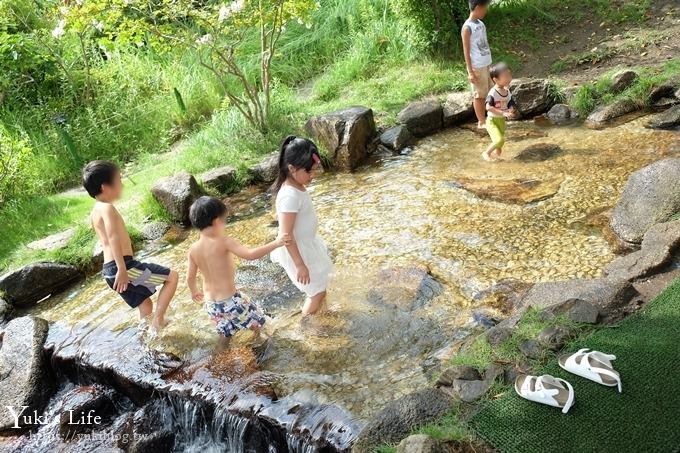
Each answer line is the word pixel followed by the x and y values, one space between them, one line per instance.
pixel 305 258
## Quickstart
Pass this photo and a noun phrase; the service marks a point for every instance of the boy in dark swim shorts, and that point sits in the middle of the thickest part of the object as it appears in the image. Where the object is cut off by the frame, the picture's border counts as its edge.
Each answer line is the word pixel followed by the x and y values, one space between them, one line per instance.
pixel 135 282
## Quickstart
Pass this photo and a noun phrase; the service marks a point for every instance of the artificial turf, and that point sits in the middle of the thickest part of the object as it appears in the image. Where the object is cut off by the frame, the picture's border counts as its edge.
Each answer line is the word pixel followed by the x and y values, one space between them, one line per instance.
pixel 644 418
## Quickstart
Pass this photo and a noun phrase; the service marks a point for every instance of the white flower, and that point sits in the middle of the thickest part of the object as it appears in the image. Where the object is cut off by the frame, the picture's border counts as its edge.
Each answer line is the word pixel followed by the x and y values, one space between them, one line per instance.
pixel 234 7
pixel 59 30
pixel 204 40
pixel 98 25
pixel 80 2
pixel 63 10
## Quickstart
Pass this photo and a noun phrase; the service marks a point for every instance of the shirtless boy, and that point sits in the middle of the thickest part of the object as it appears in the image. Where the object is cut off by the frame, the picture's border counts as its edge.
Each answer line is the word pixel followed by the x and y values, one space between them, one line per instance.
pixel 135 282
pixel 213 255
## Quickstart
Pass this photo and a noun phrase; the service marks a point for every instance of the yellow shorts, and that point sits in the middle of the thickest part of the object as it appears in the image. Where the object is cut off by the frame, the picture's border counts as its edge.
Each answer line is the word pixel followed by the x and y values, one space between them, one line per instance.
pixel 496 128
pixel 483 84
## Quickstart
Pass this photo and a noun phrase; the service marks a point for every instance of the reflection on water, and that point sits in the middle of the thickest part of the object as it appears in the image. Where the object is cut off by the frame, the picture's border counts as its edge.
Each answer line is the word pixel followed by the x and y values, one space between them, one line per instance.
pixel 374 343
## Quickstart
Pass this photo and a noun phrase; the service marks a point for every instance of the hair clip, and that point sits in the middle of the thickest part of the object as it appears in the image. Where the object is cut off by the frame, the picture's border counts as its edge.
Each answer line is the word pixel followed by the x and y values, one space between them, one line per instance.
pixel 315 158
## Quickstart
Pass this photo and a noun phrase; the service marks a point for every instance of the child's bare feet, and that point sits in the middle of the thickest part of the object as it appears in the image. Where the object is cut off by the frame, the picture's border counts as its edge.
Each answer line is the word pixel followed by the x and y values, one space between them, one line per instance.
pixel 158 323
pixel 481 126
pixel 487 156
pixel 496 154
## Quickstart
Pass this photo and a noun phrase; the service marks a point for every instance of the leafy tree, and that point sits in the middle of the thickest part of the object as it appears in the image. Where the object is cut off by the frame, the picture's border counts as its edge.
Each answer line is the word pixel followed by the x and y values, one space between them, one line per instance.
pixel 15 168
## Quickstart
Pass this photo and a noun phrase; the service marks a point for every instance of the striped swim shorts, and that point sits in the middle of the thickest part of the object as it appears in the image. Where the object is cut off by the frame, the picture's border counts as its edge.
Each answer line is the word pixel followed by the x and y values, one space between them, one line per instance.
pixel 144 278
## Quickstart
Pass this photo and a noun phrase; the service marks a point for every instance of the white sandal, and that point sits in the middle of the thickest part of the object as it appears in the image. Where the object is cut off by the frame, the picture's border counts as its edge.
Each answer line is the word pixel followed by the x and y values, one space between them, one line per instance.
pixel 594 365
pixel 546 389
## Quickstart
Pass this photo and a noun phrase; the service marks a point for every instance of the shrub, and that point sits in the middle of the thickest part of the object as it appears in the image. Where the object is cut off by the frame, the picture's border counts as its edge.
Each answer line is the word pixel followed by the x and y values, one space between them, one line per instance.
pixel 15 169
pixel 434 25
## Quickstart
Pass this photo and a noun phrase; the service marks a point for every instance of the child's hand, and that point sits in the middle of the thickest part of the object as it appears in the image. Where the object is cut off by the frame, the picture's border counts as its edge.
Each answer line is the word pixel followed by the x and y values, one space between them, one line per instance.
pixel 197 296
pixel 509 114
pixel 122 281
pixel 472 77
pixel 283 240
pixel 303 274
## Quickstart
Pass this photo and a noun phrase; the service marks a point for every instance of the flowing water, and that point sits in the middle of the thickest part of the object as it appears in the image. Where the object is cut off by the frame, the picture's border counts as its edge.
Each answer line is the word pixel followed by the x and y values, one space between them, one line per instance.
pixel 384 224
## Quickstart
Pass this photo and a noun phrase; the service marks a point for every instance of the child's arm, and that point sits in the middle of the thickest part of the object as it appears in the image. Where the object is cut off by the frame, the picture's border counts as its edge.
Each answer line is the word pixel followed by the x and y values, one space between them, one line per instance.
pixel 491 108
pixel 465 34
pixel 246 253
pixel 287 224
pixel 192 280
pixel 113 226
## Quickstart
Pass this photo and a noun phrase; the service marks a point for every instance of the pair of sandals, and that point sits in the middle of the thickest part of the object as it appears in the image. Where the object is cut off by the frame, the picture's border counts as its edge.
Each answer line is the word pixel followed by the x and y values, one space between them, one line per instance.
pixel 594 365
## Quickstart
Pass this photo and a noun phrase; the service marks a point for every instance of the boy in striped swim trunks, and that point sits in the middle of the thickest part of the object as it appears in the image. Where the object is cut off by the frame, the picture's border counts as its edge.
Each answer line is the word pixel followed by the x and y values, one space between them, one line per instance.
pixel 213 255
pixel 136 282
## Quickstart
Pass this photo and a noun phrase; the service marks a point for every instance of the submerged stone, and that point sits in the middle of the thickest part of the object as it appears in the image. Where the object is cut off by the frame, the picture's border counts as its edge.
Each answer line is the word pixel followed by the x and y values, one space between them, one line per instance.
pixel 538 152
pixel 512 191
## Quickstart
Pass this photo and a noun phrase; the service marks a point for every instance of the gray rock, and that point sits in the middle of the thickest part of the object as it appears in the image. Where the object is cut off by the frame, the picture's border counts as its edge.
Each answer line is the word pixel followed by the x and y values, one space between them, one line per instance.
pixel 220 180
pixel 531 349
pixel 25 287
pixel 54 242
pixel 498 334
pixel 576 310
pixel 396 138
pixel 604 293
pixel 155 230
pixel 484 319
pixel 176 194
pixel 399 417
pixel 659 245
pixel 422 117
pixel 469 391
pixel 623 79
pixel 670 119
pixel 665 103
pixel 24 370
pixel 98 255
pixel 266 170
pixel 421 443
pixel 533 96
pixel 346 135
pixel 539 152
pixel 458 372
pixel 651 196
pixel 559 113
pixel 555 337
pixel 5 311
pixel 91 399
pixel 660 92
pixel 458 108
pixel 616 109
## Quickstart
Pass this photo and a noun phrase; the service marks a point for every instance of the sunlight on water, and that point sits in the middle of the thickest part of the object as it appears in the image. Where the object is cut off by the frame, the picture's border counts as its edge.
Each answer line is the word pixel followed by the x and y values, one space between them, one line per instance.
pixel 374 343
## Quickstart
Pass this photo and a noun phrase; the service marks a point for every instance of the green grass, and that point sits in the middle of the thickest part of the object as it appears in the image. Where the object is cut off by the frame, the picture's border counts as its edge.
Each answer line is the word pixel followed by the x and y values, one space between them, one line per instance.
pixel 640 419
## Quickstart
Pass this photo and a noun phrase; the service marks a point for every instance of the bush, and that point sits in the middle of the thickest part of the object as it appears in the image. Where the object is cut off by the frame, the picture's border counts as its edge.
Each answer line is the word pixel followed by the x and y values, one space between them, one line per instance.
pixel 434 25
pixel 16 172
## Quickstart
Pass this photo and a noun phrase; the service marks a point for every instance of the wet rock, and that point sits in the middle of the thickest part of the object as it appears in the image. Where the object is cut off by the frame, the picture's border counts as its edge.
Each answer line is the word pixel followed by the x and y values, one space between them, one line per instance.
pixel 24 370
pixel 399 417
pixel 176 194
pixel 606 294
pixel 665 103
pixel 148 433
pixel 82 402
pixel 498 335
pixel 346 134
pixel 616 109
pixel 458 372
pixel 560 113
pixel 576 310
pixel 659 246
pixel 25 287
pixel 623 79
pixel 5 311
pixel 670 119
pixel 512 191
pixel 408 288
pixel 422 443
pixel 396 138
pixel 531 349
pixel 484 320
pixel 555 337
pixel 422 117
pixel 219 180
pixel 533 96
pixel 53 242
pixel 538 152
pixel 154 231
pixel 458 108
pixel 651 196
pixel 503 296
pixel 660 92
pixel 266 170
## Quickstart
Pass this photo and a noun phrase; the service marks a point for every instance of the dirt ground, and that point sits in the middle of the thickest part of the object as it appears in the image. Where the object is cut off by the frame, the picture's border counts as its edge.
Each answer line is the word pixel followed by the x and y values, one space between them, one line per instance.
pixel 595 47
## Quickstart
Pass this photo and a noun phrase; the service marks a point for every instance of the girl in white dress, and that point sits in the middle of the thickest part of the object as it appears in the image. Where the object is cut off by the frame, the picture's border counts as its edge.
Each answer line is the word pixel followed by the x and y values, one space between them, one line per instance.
pixel 305 258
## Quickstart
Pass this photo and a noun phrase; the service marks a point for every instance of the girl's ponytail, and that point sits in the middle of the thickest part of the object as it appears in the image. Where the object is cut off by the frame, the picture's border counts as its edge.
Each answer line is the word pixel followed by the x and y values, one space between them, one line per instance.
pixel 283 165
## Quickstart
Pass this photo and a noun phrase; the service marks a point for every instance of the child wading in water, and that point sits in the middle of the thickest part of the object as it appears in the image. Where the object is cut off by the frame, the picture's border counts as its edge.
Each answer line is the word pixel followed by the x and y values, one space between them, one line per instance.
pixel 477 56
pixel 500 106
pixel 305 258
pixel 135 282
pixel 213 255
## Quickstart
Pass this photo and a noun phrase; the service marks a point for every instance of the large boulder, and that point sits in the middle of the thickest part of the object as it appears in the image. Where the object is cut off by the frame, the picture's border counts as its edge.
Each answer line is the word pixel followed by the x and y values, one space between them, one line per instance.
pixel 533 96
pixel 512 191
pixel 396 138
pixel 79 404
pixel 399 417
pixel 176 194
pixel 616 109
pixel 346 134
pixel 422 118
pixel 659 245
pixel 155 230
pixel 670 119
pixel 24 370
pixel 220 180
pixel 651 196
pixel 266 170
pixel 539 152
pixel 25 287
pixel 458 108
pixel 623 79
pixel 5 311
pixel 664 91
